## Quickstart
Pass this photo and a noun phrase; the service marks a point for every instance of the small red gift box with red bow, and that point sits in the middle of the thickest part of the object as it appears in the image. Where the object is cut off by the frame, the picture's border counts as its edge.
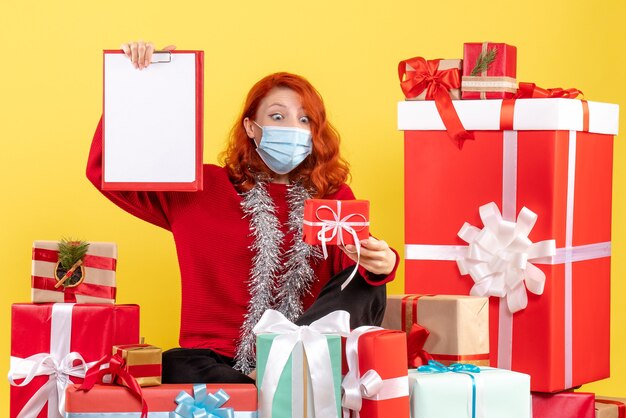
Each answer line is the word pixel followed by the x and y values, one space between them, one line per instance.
pixel 335 222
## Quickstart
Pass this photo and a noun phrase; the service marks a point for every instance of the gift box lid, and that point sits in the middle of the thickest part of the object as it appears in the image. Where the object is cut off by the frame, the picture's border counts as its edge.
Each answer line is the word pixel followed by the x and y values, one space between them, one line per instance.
pixel 103 249
pixel 530 115
pixel 111 398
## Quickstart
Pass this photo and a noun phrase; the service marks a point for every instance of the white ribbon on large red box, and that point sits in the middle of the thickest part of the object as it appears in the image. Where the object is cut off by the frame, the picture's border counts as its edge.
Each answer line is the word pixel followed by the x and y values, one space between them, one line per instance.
pixel 318 357
pixel 58 364
pixel 565 256
pixel 369 385
pixel 499 257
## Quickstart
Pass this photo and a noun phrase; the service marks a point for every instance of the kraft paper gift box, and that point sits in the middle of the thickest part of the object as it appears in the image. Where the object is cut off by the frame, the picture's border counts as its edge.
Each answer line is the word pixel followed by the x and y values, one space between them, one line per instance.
pixel 112 401
pixel 552 157
pixel 376 384
pixel 143 362
pixel 490 393
pixel 563 404
pixel 299 369
pixel 92 282
pixel 497 80
pixel 63 340
pixel 458 325
pixel 335 222
pixel 608 407
pixel 413 71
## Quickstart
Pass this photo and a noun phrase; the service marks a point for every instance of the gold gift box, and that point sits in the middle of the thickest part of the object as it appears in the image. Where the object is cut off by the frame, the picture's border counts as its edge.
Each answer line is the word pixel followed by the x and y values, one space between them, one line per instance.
pixel 143 362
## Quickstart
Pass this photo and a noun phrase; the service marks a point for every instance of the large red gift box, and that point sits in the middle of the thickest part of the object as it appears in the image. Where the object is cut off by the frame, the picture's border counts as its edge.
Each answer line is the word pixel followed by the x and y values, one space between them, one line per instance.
pixel 377 377
pixel 563 404
pixel 335 222
pixel 552 156
pixel 498 81
pixel 53 344
pixel 97 283
pixel 117 401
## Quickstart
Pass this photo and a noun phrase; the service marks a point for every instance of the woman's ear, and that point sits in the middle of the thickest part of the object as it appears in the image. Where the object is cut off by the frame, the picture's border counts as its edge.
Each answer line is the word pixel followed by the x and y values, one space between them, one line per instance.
pixel 249 127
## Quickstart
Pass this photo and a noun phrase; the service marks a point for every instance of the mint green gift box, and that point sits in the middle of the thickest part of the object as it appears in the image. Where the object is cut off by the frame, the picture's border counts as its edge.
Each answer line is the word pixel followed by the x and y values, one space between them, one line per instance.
pixel 294 395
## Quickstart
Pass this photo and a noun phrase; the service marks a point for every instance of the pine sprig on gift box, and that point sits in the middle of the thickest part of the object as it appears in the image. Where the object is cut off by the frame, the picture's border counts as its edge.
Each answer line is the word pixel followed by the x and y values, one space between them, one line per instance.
pixel 70 251
pixel 484 61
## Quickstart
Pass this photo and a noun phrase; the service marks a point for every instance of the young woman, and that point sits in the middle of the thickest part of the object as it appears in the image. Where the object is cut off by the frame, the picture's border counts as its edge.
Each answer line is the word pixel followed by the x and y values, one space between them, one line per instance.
pixel 239 240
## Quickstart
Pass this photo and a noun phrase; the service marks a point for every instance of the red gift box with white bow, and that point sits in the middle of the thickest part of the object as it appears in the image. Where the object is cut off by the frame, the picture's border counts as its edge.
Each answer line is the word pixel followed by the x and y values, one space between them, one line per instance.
pixel 53 344
pixel 335 222
pixel 376 383
pixel 523 214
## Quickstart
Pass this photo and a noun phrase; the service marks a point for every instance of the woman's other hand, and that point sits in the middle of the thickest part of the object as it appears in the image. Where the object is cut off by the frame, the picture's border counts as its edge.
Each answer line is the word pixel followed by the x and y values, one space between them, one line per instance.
pixel 140 52
pixel 376 256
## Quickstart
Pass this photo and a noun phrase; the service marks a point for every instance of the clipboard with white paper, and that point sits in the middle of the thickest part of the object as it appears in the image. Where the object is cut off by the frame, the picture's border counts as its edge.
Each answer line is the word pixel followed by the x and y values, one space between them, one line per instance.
pixel 153 122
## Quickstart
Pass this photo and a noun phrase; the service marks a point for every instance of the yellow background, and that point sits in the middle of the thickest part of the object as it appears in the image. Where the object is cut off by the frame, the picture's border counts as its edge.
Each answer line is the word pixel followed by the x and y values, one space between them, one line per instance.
pixel 50 102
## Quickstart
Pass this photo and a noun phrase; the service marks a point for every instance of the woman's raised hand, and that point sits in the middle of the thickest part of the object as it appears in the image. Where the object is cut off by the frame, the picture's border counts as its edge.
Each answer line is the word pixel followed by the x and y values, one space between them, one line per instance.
pixel 140 52
pixel 376 256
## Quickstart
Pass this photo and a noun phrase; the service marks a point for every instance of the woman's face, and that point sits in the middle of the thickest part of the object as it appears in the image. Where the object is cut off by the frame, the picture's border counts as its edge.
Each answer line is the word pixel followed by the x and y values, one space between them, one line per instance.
pixel 280 107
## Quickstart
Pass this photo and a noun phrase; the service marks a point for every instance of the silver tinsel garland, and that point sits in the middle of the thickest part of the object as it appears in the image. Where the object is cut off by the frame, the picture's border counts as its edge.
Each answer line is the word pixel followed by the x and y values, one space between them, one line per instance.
pixel 268 288
pixel 298 276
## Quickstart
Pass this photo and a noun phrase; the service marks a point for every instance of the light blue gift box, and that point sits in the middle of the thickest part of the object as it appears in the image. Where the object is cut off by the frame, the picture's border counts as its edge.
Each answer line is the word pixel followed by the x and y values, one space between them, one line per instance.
pixel 490 393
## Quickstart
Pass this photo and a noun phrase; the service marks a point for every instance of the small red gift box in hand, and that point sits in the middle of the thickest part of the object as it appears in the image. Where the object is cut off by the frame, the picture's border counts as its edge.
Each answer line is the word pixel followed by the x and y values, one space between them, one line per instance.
pixel 336 222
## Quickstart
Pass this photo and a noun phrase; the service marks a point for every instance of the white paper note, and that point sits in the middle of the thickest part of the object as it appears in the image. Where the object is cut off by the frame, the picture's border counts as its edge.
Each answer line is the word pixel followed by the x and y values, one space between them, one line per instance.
pixel 150 120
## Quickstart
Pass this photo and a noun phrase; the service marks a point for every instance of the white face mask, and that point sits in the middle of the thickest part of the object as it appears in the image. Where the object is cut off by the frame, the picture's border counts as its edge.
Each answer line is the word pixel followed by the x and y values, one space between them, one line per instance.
pixel 283 148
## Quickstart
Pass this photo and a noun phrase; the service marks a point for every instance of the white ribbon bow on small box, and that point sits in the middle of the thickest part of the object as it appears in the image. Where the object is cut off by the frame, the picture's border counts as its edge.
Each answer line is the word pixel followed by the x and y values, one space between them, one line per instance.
pixel 331 228
pixel 317 354
pixel 369 385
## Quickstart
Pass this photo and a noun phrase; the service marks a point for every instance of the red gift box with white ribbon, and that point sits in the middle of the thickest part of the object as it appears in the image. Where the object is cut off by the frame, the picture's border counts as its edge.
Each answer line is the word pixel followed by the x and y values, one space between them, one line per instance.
pixel 376 384
pixel 523 214
pixel 97 274
pixel 53 345
pixel 336 222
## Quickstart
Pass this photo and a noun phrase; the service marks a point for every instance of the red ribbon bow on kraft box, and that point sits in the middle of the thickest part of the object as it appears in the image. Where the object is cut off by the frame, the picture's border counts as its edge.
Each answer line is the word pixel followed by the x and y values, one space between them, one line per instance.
pixel 426 76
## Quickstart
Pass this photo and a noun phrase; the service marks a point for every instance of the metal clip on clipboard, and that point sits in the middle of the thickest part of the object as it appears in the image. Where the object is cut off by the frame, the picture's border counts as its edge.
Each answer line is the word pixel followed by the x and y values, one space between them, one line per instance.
pixel 161 57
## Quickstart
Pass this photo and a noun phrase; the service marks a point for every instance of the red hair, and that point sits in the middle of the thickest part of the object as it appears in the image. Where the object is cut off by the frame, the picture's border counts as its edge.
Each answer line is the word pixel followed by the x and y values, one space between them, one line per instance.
pixel 322 172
